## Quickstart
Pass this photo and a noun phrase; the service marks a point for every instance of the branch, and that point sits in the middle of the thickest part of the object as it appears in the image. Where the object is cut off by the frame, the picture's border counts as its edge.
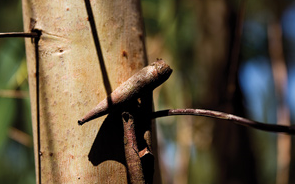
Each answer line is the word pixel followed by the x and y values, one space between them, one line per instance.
pixel 225 116
pixel 19 34
pixel 132 155
pixel 145 80
pixel 150 77
pixel 13 94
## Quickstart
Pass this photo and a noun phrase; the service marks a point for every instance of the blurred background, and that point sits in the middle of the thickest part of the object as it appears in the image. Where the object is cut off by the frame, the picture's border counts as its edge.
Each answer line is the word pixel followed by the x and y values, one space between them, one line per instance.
pixel 235 56
pixel 16 143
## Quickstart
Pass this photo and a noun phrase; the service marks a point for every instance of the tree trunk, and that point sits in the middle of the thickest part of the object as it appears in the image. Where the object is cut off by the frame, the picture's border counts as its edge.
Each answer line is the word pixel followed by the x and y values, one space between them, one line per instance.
pixel 69 80
pixel 219 57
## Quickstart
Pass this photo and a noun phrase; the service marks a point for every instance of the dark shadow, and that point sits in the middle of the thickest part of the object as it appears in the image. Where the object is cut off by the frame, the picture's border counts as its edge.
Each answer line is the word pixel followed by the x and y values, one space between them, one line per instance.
pixel 142 127
pixel 105 77
pixel 109 142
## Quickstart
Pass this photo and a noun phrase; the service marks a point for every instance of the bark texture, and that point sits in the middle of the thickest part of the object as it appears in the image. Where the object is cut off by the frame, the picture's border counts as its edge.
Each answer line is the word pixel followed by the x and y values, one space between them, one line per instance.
pixel 71 83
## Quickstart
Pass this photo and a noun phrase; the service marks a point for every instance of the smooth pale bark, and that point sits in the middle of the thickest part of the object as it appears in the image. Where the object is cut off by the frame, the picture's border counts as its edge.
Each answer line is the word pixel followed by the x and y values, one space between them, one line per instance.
pixel 71 84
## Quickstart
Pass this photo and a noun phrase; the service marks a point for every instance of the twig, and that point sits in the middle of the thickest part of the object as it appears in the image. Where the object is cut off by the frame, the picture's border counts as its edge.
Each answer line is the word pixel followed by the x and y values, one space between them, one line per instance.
pixel 225 116
pixel 132 155
pixel 13 94
pixel 19 34
pixel 145 80
pixel 20 136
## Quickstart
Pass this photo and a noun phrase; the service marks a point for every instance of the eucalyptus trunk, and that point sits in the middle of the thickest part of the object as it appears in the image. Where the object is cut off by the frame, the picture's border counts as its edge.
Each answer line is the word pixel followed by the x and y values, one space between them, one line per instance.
pixel 67 79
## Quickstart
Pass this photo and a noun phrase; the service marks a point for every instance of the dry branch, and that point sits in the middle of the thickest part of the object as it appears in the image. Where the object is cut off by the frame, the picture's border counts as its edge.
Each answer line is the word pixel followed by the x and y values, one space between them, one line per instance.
pixel 225 116
pixel 19 34
pixel 151 77
pixel 134 166
pixel 145 80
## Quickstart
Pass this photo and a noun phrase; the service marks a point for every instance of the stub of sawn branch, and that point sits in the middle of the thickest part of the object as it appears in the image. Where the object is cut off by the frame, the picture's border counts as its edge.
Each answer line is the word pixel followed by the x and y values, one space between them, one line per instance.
pixel 144 81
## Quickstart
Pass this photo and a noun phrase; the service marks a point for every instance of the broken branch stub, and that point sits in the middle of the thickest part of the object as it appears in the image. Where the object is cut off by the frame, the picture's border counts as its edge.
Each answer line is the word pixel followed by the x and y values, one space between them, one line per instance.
pixel 145 80
pixel 133 162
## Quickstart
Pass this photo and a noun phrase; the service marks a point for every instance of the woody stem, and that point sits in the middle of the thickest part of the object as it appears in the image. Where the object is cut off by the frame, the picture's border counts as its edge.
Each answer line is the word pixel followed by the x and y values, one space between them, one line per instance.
pixel 225 116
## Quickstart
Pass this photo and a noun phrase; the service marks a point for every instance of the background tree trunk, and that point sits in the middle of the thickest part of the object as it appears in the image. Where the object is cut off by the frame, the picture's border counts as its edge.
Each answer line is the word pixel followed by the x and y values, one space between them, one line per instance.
pixel 219 56
pixel 72 81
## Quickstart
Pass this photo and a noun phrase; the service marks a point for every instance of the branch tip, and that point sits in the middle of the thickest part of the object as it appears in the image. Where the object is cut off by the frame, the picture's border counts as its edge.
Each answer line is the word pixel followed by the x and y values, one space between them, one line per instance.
pixel 229 117
pixel 125 116
pixel 19 34
pixel 81 122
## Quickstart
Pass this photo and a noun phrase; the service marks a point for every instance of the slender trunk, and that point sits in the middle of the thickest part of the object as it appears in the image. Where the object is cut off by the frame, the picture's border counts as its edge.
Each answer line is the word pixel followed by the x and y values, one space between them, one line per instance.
pixel 219 57
pixel 67 80
pixel 279 69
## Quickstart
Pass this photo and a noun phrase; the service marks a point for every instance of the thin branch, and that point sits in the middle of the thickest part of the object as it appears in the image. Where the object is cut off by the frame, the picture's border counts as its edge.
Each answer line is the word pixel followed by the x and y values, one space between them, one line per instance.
pixel 14 94
pixel 20 136
pixel 225 116
pixel 19 34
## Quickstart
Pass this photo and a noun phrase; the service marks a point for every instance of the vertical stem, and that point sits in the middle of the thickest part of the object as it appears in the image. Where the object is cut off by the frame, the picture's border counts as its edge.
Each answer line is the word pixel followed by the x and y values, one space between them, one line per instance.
pixel 235 50
pixel 134 166
pixel 183 152
pixel 283 115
